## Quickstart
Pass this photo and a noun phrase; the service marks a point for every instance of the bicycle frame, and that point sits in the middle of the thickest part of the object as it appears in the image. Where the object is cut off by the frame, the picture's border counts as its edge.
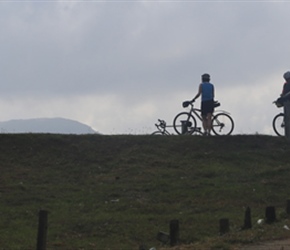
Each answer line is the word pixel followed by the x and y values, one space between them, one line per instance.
pixel 197 112
pixel 185 122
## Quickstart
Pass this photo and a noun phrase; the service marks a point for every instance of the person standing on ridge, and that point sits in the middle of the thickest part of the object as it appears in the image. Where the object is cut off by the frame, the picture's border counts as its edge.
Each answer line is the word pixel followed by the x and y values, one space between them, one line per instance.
pixel 285 95
pixel 206 90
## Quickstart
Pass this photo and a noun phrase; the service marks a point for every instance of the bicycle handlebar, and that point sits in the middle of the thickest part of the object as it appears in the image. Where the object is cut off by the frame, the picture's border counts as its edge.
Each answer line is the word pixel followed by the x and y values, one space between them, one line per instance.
pixel 187 103
pixel 162 123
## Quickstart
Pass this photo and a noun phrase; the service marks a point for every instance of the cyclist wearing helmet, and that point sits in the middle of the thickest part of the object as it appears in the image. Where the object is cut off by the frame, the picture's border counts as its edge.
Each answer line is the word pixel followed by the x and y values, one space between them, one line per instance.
pixel 286 87
pixel 206 90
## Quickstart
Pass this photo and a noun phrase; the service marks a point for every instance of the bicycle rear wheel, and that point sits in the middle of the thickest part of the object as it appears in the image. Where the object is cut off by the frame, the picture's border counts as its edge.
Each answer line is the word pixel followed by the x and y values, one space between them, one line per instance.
pixel 184 118
pixel 279 124
pixel 222 124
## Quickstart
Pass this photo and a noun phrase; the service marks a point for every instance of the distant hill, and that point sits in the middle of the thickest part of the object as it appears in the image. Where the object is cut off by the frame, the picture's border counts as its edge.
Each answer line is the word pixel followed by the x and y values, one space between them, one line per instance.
pixel 45 125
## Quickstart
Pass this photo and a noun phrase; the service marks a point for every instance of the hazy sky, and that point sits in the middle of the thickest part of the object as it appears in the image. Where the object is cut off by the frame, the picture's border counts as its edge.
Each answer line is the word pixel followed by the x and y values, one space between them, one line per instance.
pixel 118 66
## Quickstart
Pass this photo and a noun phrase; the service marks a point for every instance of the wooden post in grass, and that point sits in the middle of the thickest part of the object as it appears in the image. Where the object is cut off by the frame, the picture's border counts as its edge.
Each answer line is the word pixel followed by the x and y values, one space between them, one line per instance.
pixel 270 214
pixel 42 230
pixel 224 226
pixel 287 118
pixel 174 232
pixel 248 220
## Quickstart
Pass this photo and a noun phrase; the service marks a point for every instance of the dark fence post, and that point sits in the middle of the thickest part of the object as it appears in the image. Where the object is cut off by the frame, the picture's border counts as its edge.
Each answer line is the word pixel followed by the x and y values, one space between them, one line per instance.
pixel 270 214
pixel 174 232
pixel 248 219
pixel 224 226
pixel 287 118
pixel 184 126
pixel 42 230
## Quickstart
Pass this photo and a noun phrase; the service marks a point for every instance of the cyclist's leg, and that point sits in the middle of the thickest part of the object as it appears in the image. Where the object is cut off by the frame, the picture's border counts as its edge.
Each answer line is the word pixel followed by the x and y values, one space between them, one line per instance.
pixel 210 115
pixel 209 122
pixel 204 117
pixel 204 123
pixel 206 112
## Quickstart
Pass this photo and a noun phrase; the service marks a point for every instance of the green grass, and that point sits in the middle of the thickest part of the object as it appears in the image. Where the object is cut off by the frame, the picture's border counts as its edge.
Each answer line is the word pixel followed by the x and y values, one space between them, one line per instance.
pixel 118 192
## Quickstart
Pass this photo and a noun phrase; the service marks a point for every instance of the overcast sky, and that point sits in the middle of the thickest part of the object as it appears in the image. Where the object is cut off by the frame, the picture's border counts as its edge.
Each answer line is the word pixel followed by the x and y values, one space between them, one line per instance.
pixel 118 66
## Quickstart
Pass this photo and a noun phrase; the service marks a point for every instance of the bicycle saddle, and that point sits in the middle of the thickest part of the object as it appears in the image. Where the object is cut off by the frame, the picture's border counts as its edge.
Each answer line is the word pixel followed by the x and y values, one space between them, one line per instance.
pixel 216 104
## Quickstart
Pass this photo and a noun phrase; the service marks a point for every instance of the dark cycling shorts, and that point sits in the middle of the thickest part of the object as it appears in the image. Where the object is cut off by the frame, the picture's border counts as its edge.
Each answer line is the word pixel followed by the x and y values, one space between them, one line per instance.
pixel 207 107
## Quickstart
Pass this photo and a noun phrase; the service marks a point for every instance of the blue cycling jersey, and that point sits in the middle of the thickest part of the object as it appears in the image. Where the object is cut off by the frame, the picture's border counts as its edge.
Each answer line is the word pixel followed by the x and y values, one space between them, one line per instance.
pixel 207 91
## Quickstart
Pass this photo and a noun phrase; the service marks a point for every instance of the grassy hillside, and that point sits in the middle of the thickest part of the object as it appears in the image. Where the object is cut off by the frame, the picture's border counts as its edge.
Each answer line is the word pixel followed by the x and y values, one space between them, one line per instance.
pixel 118 192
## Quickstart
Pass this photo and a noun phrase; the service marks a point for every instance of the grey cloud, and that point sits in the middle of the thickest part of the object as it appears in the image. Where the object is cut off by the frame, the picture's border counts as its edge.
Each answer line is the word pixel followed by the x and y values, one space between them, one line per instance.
pixel 131 48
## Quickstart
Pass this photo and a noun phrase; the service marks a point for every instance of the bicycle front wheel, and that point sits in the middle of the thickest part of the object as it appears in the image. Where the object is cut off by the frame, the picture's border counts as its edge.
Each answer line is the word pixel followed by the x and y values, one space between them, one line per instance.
pixel 184 118
pixel 157 133
pixel 279 124
pixel 222 124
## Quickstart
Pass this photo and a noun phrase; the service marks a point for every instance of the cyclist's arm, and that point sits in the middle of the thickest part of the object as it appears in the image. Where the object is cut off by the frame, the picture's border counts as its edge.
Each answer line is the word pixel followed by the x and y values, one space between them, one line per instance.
pixel 198 94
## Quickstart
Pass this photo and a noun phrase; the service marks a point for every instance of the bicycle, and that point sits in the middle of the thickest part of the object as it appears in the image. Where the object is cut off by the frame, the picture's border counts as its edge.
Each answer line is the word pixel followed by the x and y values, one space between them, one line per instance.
pixel 185 122
pixel 278 123
pixel 161 128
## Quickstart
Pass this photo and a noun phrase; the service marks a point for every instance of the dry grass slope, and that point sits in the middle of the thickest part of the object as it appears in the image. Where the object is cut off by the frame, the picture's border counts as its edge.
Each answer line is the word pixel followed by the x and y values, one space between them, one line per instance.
pixel 118 192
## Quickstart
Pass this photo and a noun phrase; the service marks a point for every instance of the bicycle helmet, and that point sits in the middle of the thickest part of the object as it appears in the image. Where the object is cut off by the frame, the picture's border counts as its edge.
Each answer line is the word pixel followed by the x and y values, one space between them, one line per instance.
pixel 205 77
pixel 286 75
